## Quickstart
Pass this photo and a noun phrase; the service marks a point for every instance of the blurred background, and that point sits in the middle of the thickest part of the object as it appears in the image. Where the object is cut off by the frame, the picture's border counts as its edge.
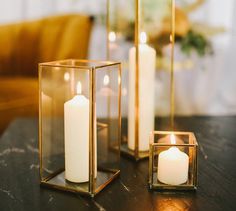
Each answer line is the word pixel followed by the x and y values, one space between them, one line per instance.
pixel 33 31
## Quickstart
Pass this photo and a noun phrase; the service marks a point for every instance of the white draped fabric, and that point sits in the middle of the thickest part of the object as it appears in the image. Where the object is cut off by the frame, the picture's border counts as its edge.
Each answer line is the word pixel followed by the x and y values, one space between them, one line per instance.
pixel 209 88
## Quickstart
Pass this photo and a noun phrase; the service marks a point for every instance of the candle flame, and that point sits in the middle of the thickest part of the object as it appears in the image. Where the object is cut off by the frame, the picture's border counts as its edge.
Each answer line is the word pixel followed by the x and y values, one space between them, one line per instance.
pixel 143 37
pixel 172 139
pixel 66 76
pixel 119 80
pixel 79 88
pixel 171 38
pixel 106 80
pixel 112 36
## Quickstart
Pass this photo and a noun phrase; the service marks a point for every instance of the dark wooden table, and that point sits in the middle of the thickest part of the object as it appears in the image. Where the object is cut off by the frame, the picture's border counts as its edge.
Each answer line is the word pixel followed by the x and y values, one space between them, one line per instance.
pixel 19 178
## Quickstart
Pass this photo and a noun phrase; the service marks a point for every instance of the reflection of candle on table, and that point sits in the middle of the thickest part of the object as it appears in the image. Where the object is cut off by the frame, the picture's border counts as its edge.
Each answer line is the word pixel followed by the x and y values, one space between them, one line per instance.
pixel 76 121
pixel 173 165
pixel 147 61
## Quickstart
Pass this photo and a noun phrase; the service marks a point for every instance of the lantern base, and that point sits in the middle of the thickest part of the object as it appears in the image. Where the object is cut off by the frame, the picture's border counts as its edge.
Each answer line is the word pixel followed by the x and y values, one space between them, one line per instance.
pixel 125 151
pixel 164 187
pixel 58 181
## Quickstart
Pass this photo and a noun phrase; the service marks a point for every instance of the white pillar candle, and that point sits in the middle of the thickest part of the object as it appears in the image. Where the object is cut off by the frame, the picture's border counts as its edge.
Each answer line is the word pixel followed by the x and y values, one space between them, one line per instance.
pixel 76 123
pixel 173 166
pixel 147 62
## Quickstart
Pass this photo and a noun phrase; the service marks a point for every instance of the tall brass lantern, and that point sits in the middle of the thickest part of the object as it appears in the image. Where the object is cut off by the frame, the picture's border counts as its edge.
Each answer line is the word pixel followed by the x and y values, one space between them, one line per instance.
pixel 134 32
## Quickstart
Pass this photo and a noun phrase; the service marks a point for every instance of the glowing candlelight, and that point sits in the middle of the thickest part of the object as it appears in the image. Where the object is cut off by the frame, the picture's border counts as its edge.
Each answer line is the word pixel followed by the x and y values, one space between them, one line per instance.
pixel 112 36
pixel 173 165
pixel 106 80
pixel 143 37
pixel 66 76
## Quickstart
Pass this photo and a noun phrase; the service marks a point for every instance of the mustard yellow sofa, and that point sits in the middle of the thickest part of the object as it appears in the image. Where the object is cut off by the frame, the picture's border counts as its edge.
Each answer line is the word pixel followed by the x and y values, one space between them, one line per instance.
pixel 23 46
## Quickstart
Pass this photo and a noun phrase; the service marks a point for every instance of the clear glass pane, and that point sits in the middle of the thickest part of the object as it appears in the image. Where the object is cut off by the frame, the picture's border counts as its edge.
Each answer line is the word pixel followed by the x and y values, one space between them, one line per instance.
pixel 65 126
pixel 108 122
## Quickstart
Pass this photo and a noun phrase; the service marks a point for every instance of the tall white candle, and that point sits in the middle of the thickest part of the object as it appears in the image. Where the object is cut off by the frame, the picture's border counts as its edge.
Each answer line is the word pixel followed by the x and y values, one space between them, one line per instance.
pixel 147 62
pixel 76 123
pixel 173 166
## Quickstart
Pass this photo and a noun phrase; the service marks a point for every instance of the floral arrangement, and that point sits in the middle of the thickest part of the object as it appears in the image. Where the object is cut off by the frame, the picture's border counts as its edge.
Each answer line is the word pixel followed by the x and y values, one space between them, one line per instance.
pixel 189 35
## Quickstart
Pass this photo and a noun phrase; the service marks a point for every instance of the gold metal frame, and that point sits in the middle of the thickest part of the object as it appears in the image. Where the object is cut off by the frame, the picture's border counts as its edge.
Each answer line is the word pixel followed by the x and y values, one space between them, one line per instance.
pixel 192 144
pixel 136 154
pixel 137 32
pixel 92 190
pixel 172 81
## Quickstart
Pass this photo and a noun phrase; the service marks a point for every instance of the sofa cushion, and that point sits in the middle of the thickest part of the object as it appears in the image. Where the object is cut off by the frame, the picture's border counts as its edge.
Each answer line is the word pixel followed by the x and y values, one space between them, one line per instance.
pixel 18 92
pixel 24 45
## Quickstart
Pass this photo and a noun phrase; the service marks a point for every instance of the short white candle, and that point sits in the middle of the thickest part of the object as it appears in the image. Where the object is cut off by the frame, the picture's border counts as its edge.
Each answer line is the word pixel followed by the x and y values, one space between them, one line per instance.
pixel 173 166
pixel 76 123
pixel 147 62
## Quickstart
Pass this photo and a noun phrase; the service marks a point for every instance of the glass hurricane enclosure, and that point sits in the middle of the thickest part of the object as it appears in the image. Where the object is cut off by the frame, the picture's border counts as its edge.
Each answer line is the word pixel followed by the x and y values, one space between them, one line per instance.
pixel 138 33
pixel 173 161
pixel 79 124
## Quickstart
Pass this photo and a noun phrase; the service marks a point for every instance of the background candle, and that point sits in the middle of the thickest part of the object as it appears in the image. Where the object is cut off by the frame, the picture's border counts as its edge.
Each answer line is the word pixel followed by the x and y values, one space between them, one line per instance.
pixel 147 62
pixel 173 165
pixel 76 123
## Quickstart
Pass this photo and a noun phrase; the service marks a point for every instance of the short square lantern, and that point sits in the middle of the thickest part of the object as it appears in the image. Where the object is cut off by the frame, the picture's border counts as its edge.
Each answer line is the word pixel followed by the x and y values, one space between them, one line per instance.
pixel 173 161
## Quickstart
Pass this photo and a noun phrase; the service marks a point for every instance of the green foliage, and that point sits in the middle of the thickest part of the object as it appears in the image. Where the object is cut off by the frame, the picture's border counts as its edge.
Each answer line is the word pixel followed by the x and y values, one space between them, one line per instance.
pixel 195 41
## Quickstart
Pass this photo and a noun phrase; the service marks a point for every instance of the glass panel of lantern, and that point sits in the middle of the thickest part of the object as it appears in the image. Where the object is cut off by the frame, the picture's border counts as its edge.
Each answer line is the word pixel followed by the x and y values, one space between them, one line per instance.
pixel 79 124
pixel 145 26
